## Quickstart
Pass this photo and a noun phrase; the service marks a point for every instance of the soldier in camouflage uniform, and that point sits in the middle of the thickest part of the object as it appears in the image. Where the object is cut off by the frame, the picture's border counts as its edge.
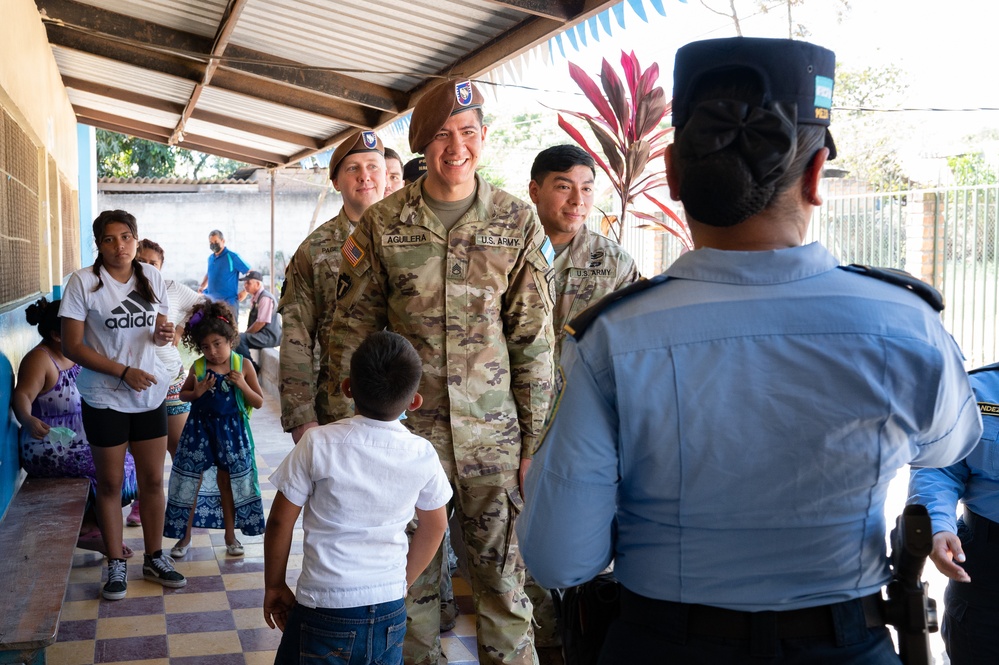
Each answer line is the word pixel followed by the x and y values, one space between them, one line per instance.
pixel 308 298
pixel 588 265
pixel 460 268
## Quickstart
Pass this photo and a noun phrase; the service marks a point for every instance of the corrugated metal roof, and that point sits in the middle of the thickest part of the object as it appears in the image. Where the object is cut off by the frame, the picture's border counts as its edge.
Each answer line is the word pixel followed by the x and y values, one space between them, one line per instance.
pixel 293 77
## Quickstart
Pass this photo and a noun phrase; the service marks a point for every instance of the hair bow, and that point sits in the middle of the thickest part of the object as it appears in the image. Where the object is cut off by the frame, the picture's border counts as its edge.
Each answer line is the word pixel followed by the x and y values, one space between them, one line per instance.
pixel 195 319
pixel 766 136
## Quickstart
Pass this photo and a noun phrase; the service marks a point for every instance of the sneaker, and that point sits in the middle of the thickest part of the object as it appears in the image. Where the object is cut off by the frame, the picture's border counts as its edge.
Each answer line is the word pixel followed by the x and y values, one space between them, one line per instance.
pixel 159 568
pixel 116 586
pixel 133 518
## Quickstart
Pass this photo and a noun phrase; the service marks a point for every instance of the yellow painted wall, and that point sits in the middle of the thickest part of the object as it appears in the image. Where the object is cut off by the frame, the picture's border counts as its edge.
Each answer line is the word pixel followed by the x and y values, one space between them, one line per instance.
pixel 30 82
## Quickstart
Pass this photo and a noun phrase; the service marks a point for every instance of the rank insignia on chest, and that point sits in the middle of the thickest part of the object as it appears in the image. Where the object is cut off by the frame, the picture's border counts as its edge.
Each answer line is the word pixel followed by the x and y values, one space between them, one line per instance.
pixel 456 269
pixel 988 409
pixel 352 253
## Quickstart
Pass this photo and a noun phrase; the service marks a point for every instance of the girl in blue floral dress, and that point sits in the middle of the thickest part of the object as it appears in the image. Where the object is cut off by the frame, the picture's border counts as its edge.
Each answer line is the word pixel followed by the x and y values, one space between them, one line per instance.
pixel 222 390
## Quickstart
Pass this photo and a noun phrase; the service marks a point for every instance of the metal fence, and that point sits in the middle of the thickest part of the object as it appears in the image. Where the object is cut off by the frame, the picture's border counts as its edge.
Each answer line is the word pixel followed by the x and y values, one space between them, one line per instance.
pixel 946 236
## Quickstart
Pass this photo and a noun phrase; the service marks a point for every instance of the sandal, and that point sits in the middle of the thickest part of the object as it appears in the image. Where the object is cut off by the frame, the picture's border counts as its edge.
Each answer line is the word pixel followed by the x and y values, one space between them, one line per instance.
pixel 234 549
pixel 179 551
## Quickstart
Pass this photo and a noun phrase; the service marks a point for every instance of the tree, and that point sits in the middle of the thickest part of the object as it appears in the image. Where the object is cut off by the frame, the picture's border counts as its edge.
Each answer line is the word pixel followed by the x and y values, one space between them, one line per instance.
pixel 868 137
pixel 972 169
pixel 121 156
pixel 794 29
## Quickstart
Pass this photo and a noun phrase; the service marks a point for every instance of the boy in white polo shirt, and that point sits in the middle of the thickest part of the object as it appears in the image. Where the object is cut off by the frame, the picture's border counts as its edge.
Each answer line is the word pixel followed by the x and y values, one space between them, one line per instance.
pixel 359 480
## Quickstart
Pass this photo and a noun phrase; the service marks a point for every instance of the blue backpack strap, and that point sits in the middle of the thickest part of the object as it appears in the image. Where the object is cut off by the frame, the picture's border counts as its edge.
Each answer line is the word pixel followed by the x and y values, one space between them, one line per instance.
pixel 577 327
pixel 901 278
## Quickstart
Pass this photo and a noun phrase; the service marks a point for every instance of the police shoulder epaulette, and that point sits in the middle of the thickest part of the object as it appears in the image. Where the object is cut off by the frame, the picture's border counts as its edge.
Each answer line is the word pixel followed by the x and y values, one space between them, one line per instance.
pixel 903 279
pixel 577 327
pixel 988 368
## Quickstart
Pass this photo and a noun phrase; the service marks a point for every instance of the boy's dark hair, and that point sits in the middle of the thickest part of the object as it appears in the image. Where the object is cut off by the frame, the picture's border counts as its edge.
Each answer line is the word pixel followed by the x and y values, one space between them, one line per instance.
pixel 559 159
pixel 142 284
pixel 44 315
pixel 385 373
pixel 210 317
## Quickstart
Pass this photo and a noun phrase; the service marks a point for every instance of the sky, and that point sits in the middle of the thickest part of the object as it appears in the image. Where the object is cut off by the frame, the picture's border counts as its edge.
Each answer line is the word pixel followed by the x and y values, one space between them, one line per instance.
pixel 945 47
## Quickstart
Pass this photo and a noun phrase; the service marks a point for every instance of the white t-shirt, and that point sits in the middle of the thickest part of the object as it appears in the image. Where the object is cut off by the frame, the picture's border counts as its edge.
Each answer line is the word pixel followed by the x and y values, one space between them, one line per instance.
pixel 359 480
pixel 182 299
pixel 118 324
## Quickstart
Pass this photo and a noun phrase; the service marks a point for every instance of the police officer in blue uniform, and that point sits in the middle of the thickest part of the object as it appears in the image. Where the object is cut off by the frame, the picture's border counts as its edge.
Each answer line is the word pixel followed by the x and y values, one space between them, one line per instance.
pixel 967 550
pixel 726 432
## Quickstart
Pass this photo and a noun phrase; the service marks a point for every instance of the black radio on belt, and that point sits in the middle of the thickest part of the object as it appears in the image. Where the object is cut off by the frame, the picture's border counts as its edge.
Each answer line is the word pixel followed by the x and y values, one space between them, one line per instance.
pixel 909 608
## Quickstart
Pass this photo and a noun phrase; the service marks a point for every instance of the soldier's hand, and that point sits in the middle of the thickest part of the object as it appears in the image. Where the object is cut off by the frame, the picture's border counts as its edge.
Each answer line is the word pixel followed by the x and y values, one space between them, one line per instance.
pixel 525 464
pixel 298 432
pixel 946 551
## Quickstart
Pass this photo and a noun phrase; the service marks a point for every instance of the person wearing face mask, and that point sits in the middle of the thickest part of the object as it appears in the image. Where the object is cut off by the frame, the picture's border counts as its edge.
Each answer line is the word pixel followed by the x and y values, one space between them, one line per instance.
pixel 221 282
pixel 309 295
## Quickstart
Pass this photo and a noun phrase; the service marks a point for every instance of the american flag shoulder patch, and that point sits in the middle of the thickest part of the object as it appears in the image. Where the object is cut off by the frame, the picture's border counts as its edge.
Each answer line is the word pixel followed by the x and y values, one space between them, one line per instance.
pixel 352 252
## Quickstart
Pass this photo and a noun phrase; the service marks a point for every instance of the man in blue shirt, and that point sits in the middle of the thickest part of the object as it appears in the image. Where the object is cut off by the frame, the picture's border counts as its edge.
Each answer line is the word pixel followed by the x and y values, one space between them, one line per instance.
pixel 725 433
pixel 967 550
pixel 221 282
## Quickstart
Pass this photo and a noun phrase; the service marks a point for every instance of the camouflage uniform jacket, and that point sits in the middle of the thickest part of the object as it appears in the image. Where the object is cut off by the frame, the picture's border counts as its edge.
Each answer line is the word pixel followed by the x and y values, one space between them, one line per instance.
pixel 308 301
pixel 476 303
pixel 588 269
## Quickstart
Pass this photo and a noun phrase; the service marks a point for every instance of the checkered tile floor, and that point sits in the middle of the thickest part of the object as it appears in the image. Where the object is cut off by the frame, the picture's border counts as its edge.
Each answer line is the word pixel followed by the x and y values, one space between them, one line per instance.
pixel 217 619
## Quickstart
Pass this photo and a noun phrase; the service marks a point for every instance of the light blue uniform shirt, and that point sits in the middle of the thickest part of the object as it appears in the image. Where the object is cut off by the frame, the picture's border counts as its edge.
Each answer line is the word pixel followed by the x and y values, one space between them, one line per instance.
pixel 727 437
pixel 975 479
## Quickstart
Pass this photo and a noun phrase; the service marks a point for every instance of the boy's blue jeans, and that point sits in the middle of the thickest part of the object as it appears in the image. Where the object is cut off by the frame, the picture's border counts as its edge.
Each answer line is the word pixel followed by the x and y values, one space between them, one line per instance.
pixel 368 635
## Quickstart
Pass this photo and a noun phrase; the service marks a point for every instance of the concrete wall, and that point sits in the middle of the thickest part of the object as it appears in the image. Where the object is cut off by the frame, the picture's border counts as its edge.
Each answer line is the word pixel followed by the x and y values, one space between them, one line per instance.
pixel 31 91
pixel 181 222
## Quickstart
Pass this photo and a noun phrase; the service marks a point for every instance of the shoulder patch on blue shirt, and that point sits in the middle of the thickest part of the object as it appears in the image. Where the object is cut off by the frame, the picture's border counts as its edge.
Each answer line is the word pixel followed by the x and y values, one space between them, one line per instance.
pixel 901 278
pixel 577 327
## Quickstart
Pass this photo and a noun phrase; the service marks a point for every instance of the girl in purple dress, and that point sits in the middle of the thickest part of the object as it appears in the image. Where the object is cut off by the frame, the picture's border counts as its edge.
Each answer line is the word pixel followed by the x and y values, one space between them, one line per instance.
pixel 47 405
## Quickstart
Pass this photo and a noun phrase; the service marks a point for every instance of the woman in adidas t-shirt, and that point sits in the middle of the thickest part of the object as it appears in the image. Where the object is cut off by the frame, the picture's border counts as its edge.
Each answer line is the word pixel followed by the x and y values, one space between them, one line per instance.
pixel 114 314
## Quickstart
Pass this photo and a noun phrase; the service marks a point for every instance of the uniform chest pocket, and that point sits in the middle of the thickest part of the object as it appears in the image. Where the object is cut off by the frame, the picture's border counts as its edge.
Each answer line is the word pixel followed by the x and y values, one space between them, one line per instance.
pixel 990 445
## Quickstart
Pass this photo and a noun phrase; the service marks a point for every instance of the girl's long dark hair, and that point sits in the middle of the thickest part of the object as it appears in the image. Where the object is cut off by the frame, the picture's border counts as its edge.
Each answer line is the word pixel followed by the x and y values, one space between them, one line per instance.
pixel 142 284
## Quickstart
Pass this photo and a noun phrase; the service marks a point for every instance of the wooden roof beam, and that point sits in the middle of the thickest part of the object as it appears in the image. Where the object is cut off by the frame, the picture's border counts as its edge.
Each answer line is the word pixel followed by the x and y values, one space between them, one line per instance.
pixel 150 132
pixel 346 90
pixel 158 104
pixel 222 36
pixel 556 10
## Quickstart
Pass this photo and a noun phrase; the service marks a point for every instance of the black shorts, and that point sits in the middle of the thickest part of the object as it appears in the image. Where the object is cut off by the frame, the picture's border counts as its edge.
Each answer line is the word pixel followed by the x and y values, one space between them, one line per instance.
pixel 107 428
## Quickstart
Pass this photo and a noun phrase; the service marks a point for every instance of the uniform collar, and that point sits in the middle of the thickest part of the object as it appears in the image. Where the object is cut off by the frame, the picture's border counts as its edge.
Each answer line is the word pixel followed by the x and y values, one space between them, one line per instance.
pixel 579 248
pixel 413 201
pixel 767 267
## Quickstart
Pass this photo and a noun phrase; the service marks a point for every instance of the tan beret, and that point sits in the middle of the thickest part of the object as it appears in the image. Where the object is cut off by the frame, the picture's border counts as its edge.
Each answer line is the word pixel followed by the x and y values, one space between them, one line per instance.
pixel 436 106
pixel 359 141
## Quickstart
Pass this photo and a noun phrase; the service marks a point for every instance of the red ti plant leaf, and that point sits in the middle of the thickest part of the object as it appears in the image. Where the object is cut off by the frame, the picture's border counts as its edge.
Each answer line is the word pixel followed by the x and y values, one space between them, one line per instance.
pixel 586 117
pixel 649 111
pixel 638 159
pixel 618 100
pixel 578 138
pixel 610 148
pixel 648 79
pixel 683 234
pixel 593 94
pixel 629 63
